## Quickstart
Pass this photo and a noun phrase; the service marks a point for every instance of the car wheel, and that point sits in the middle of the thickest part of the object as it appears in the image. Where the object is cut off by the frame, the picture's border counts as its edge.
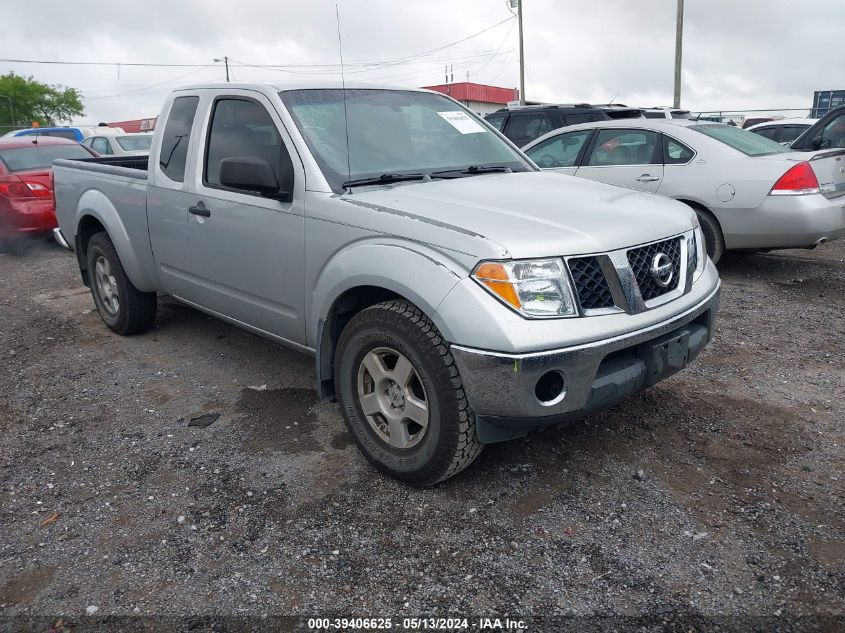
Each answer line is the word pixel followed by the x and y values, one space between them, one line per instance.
pixel 714 241
pixel 402 396
pixel 123 308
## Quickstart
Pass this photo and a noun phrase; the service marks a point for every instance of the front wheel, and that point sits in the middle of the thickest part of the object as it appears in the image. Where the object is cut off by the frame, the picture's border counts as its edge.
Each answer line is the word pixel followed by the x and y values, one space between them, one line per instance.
pixel 123 308
pixel 402 396
pixel 714 241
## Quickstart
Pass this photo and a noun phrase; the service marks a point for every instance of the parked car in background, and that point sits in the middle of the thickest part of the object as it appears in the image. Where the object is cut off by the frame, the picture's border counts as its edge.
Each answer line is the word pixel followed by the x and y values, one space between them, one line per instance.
pixel 451 294
pixel 26 194
pixel 827 133
pixel 665 112
pixel 522 124
pixel 750 193
pixel 137 144
pixel 747 122
pixel 70 133
pixel 783 131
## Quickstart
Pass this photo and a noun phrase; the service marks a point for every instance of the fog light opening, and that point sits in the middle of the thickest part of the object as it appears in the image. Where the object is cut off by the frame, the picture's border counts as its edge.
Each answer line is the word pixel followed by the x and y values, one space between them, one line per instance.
pixel 550 389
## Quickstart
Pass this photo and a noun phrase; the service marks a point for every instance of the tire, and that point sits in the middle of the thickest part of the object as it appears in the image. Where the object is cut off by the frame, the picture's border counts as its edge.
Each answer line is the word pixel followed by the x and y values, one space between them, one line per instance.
pixel 123 308
pixel 381 336
pixel 714 241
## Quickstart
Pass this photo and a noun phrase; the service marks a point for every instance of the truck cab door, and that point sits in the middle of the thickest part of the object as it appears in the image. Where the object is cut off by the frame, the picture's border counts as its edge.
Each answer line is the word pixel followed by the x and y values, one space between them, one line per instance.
pixel 631 158
pixel 167 197
pixel 247 249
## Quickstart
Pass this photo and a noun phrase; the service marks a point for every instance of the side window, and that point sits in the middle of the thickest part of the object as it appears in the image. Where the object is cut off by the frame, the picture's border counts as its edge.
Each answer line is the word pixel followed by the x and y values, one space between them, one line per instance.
pixel 833 134
pixel 770 133
pixel 524 128
pixel 101 146
pixel 497 120
pixel 243 128
pixel 791 132
pixel 654 115
pixel 625 147
pixel 88 141
pixel 675 152
pixel 177 135
pixel 560 151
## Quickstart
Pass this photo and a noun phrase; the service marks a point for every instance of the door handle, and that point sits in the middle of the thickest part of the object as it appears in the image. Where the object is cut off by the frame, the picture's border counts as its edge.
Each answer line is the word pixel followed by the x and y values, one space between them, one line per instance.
pixel 200 209
pixel 648 178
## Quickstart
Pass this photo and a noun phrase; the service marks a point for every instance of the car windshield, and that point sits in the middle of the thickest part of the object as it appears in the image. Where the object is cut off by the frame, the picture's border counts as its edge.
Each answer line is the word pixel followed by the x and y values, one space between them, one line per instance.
pixel 135 143
pixel 41 155
pixel 748 143
pixel 394 132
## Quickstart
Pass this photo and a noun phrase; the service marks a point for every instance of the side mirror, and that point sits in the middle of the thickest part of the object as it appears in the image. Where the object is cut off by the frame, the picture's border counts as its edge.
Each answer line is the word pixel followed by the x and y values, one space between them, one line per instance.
pixel 250 173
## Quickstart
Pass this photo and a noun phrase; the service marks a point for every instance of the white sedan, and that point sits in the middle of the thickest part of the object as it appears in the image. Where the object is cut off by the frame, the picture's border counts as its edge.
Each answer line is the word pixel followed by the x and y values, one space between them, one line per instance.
pixel 749 192
pixel 782 131
pixel 133 144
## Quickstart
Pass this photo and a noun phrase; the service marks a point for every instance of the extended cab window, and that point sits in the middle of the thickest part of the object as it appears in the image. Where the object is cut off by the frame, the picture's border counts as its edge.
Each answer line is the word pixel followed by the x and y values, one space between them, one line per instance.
pixel 243 128
pixel 176 137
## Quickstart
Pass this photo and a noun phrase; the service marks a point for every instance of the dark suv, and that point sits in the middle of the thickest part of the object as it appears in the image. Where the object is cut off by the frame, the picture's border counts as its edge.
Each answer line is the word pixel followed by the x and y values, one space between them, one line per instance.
pixel 523 124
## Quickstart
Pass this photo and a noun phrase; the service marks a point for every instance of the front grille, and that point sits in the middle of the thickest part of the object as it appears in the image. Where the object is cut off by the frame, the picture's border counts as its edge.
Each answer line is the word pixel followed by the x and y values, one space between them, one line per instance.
pixel 642 259
pixel 590 283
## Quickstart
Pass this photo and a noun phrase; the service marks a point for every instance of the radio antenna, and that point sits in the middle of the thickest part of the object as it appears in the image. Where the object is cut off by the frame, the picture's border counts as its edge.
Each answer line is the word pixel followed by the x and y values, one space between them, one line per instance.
pixel 343 85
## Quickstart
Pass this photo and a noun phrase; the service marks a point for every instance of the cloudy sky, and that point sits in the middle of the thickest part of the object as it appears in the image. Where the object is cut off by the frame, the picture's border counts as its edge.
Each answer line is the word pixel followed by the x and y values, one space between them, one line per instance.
pixel 737 54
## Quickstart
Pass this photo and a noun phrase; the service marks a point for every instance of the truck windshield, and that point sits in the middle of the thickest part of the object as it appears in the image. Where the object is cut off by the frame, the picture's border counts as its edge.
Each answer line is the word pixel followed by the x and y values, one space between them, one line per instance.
pixel 395 132
pixel 748 143
pixel 37 156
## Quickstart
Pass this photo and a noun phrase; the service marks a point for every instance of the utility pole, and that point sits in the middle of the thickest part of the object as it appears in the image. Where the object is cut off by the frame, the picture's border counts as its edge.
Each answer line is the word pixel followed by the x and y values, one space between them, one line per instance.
pixel 521 56
pixel 225 59
pixel 679 41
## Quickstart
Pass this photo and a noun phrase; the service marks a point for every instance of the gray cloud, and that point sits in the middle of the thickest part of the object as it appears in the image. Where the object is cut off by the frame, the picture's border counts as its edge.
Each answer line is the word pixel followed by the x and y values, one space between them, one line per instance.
pixel 750 54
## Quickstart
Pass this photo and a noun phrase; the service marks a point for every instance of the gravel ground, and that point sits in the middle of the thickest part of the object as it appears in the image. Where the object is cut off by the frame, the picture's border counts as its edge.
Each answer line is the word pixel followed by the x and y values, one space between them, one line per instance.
pixel 713 496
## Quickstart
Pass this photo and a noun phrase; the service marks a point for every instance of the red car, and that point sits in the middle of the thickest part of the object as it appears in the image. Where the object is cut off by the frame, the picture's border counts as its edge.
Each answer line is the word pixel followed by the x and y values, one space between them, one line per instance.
pixel 26 195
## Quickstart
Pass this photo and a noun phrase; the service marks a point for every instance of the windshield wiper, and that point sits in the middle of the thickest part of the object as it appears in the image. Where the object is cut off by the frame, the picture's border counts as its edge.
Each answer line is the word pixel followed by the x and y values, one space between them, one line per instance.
pixel 384 179
pixel 472 170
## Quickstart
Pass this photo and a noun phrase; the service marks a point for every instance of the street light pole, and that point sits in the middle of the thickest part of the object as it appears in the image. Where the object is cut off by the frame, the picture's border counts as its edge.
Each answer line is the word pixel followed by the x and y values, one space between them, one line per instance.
pixel 11 110
pixel 679 40
pixel 226 60
pixel 521 57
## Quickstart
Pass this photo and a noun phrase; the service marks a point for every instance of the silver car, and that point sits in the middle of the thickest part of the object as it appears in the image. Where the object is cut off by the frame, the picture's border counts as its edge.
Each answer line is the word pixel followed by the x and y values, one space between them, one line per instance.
pixel 750 193
pixel 135 144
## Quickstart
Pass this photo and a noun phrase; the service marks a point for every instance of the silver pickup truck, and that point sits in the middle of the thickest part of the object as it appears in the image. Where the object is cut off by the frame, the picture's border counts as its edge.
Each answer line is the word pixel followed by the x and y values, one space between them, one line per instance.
pixel 452 294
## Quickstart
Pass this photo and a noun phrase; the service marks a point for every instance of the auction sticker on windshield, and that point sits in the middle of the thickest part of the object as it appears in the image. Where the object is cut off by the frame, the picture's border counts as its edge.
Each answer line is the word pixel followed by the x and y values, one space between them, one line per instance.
pixel 461 122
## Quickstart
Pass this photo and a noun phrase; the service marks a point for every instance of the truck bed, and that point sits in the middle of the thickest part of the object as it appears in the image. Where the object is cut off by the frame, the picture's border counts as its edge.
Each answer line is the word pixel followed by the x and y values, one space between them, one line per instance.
pixel 126 166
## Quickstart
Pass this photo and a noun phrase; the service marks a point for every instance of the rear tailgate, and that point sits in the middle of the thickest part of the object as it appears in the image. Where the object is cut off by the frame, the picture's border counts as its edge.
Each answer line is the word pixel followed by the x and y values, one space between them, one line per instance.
pixel 829 166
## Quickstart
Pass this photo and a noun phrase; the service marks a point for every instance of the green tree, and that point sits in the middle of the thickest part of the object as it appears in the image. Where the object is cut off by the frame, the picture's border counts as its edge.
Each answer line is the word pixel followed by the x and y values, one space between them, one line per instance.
pixel 24 100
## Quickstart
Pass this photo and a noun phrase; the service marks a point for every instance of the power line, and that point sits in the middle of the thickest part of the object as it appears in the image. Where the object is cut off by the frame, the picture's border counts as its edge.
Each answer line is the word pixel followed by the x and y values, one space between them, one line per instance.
pixel 268 66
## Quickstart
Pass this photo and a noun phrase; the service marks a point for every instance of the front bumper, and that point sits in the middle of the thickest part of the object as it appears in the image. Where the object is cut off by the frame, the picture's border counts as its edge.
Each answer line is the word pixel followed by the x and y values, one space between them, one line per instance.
pixel 501 388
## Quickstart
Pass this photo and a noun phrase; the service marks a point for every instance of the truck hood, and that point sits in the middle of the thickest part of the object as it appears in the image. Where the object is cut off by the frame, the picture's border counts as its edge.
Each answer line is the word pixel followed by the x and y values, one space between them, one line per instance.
pixel 536 214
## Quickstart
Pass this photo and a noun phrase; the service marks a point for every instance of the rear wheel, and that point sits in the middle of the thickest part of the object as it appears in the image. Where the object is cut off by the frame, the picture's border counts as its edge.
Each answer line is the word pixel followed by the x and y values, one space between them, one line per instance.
pixel 123 308
pixel 402 396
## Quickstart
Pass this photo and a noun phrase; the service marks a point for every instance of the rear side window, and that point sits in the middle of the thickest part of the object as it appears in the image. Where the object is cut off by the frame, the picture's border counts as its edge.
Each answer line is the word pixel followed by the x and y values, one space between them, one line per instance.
pixel 496 120
pixel 101 146
pixel 176 137
pixel 743 141
pixel 524 128
pixel 243 128
pixel 791 132
pixel 772 133
pixel 675 152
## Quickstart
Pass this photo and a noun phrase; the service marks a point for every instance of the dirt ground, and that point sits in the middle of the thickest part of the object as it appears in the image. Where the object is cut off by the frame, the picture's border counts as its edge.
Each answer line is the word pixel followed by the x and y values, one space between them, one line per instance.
pixel 714 496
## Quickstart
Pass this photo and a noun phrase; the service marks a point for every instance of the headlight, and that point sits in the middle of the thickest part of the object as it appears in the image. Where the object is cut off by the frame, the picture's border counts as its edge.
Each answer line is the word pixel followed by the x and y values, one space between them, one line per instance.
pixel 696 250
pixel 533 287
